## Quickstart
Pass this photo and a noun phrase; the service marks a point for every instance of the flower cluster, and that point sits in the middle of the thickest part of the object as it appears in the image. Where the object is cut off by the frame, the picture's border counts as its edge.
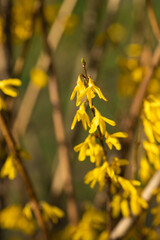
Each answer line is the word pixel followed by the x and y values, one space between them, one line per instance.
pixel 95 147
pixel 151 123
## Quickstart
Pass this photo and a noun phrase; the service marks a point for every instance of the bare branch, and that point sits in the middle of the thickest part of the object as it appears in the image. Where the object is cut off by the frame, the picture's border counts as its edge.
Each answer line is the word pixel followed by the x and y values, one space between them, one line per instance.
pixel 27 182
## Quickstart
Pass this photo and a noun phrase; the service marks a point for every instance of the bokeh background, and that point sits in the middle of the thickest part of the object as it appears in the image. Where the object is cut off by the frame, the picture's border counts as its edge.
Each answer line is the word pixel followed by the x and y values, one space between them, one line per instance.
pixel 107 34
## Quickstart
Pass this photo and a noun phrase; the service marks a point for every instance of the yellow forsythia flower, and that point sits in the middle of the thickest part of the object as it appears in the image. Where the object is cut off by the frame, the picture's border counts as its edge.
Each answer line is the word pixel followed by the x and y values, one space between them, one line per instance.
pixel 39 77
pixel 79 90
pixel 9 168
pixel 49 212
pixel 7 85
pixel 125 208
pixel 90 92
pixel 12 217
pixel 90 148
pixel 117 163
pixel 112 139
pixel 92 221
pixel 151 118
pixel 81 115
pixel 145 171
pixel 153 153
pixel 99 120
pixel 115 204
pixel 98 175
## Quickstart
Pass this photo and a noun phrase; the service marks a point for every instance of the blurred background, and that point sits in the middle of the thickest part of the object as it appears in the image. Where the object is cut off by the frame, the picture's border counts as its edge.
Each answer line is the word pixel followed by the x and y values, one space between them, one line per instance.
pixel 115 39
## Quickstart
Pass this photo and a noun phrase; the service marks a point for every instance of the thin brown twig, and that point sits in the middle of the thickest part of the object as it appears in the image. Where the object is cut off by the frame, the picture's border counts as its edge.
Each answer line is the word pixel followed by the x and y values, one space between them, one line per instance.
pixel 27 182
pixel 153 20
pixel 58 124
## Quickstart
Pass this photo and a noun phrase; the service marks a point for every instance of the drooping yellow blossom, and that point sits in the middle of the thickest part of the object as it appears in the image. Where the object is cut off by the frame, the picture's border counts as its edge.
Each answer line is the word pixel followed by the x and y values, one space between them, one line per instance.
pixel 99 120
pixel 145 171
pixel 90 148
pixel 151 118
pixel 2 104
pixel 7 86
pixel 12 217
pixel 124 205
pixel 82 148
pixel 81 115
pixel 90 92
pixel 49 212
pixel 91 223
pixel 127 185
pixel 79 90
pixel 117 163
pixel 137 203
pixel 9 169
pixel 115 205
pixel 112 139
pixel 153 153
pixel 39 77
pixel 99 175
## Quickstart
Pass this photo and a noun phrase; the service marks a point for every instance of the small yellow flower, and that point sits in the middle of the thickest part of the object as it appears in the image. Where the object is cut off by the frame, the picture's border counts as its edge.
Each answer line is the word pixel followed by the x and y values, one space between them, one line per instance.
pixel 82 148
pixel 9 169
pixel 79 89
pixel 117 163
pixel 51 212
pixel 12 217
pixel 111 139
pixel 115 204
pixel 6 86
pixel 125 208
pixel 99 174
pixel 145 171
pixel 90 148
pixel 153 153
pixel 81 115
pixel 99 120
pixel 90 92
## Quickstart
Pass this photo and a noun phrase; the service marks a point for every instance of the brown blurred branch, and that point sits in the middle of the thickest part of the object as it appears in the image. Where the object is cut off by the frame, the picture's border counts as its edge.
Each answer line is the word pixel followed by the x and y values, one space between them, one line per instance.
pixel 126 224
pixel 63 151
pixel 153 20
pixel 27 182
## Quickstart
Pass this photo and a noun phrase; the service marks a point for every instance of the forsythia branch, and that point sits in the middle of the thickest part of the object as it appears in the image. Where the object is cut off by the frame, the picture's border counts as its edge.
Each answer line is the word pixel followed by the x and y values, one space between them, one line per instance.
pixel 29 188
